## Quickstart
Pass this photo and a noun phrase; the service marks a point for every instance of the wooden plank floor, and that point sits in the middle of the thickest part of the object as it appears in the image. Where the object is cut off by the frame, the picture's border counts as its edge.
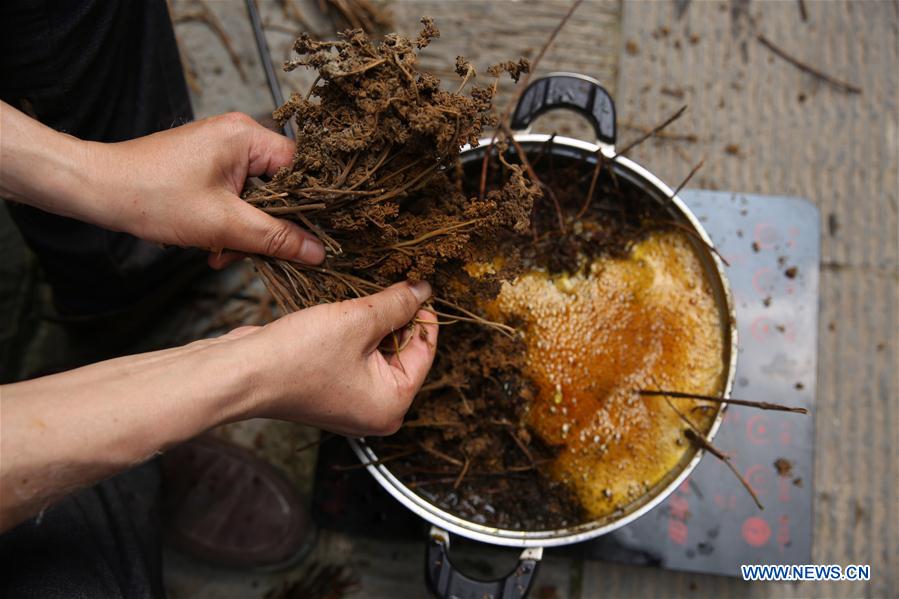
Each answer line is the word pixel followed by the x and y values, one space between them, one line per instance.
pixel 762 126
pixel 766 127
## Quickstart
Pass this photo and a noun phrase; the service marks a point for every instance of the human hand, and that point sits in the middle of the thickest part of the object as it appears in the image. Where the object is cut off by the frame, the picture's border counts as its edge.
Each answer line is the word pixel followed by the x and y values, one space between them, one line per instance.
pixel 319 366
pixel 181 187
pixel 176 187
pixel 322 366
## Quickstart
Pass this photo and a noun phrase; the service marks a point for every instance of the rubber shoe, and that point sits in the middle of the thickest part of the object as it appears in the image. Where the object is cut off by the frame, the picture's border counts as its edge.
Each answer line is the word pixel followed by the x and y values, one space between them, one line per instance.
pixel 224 506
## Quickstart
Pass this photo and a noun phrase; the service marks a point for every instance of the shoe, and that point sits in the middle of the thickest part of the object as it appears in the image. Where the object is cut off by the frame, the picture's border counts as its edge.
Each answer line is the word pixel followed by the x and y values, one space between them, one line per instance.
pixel 224 506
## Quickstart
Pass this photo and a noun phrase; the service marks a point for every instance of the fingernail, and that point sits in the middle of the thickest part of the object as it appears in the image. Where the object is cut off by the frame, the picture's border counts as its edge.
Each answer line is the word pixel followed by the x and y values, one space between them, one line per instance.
pixel 421 290
pixel 312 251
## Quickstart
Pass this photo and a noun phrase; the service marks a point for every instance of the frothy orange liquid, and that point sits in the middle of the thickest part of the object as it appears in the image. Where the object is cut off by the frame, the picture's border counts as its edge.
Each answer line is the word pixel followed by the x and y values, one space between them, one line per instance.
pixel 646 322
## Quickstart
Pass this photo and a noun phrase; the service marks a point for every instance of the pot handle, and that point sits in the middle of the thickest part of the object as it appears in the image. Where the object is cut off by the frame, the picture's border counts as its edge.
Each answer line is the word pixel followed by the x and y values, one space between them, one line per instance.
pixel 584 95
pixel 446 582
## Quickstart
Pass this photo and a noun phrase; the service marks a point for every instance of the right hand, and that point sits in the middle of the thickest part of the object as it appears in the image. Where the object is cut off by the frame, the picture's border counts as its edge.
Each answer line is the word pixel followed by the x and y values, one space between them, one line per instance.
pixel 321 366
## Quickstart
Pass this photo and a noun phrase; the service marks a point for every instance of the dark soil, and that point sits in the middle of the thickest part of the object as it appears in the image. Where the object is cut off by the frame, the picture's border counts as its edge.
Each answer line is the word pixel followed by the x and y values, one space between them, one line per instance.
pixel 471 409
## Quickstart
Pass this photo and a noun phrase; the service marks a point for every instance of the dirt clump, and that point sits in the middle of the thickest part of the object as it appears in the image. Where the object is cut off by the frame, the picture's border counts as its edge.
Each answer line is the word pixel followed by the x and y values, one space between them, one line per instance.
pixel 784 467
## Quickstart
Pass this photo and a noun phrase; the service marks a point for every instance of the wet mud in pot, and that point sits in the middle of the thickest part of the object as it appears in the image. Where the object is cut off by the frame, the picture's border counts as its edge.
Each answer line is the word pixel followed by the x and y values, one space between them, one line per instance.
pixel 592 339
pixel 547 430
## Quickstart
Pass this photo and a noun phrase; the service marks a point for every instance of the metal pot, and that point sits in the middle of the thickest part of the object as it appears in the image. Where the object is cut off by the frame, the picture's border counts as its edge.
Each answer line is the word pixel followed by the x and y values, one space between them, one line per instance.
pixel 588 98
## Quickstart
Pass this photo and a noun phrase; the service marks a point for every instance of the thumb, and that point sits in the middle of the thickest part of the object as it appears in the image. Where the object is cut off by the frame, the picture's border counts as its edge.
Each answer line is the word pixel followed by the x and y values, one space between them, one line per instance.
pixel 394 308
pixel 414 361
pixel 254 232
pixel 268 151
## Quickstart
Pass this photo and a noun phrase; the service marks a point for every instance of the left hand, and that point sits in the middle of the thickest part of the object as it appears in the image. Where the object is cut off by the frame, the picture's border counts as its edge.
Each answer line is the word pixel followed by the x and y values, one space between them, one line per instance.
pixel 178 187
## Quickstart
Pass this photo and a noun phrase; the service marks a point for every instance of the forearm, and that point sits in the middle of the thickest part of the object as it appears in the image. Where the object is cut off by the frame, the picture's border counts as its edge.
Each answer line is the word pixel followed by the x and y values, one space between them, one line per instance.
pixel 47 169
pixel 66 431
pixel 320 366
pixel 176 187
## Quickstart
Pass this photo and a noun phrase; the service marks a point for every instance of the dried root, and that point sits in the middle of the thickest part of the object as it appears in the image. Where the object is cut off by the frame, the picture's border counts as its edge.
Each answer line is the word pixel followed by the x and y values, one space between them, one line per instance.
pixel 376 139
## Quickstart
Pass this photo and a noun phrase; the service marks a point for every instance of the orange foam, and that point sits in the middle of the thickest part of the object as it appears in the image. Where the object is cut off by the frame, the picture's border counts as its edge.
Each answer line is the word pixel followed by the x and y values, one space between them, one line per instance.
pixel 646 322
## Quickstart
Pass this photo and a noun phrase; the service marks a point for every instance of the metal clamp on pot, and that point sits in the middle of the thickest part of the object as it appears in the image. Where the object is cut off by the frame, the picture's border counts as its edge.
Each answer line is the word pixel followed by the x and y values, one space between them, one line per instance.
pixel 445 580
pixel 568 91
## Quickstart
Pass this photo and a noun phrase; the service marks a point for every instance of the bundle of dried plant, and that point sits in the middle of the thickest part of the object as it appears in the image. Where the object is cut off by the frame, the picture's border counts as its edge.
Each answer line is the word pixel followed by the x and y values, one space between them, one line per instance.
pixel 377 142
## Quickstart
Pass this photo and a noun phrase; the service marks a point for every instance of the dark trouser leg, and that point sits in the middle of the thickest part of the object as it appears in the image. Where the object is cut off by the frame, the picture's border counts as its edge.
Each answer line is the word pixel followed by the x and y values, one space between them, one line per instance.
pixel 102 70
pixel 101 542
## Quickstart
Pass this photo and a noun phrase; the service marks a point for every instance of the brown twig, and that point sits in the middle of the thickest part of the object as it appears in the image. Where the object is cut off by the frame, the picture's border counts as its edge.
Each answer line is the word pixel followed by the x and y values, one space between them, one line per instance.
pixel 323 437
pixel 472 317
pixel 430 235
pixel 439 454
pixel 533 66
pixel 330 242
pixel 465 405
pixel 695 235
pixel 600 158
pixel 397 346
pixel 694 435
pixel 689 176
pixel 762 405
pixel 377 462
pixel 533 174
pixel 651 132
pixel 803 13
pixel 465 466
pixel 361 69
pixel 469 73
pixel 439 323
pixel 704 444
pixel 590 190
pixel 836 83
pixel 545 148
pixel 504 119
pixel 689 230
pixel 283 210
pixel 406 74
pixel 687 137
pixel 466 315
pixel 524 449
pixel 206 16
